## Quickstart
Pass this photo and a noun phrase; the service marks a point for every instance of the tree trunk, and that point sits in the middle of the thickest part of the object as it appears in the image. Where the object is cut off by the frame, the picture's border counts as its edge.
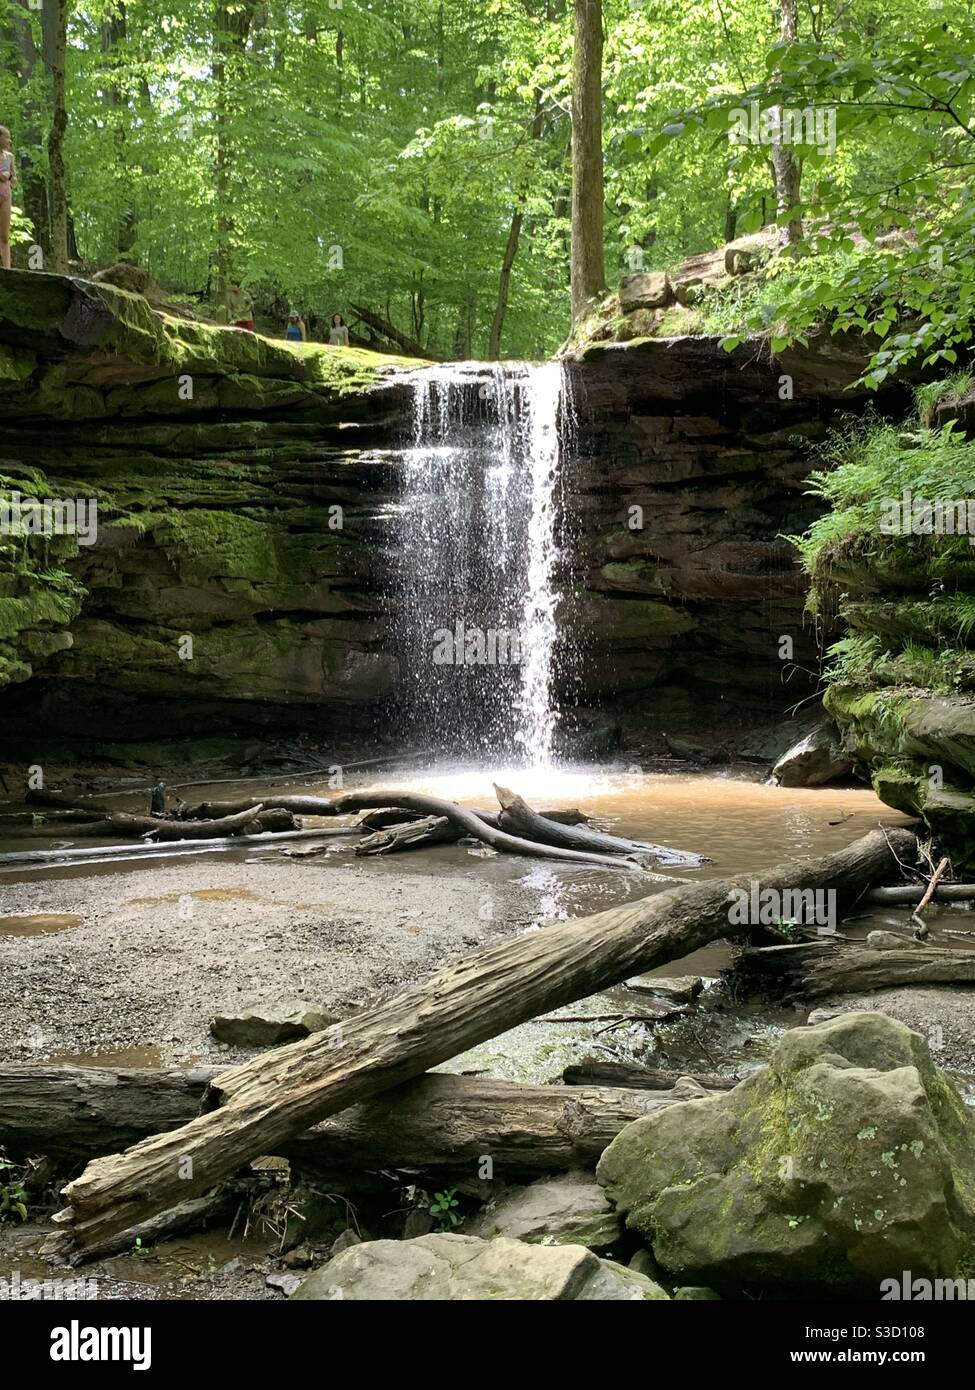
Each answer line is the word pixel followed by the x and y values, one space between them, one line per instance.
pixel 54 28
pixel 437 1123
pixel 113 32
pixel 256 1107
pixel 388 330
pixel 517 818
pixel 587 265
pixel 231 26
pixel 785 166
pixel 511 246
pixel 593 1071
pixel 32 183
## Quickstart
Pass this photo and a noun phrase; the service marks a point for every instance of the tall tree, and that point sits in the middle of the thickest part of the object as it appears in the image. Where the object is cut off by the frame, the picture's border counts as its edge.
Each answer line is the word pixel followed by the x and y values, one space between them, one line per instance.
pixel 54 28
pixel 587 269
pixel 785 166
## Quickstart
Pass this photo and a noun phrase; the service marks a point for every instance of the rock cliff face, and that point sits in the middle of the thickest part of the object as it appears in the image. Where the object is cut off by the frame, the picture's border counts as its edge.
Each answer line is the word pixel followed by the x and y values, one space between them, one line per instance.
pixel 691 471
pixel 244 493
pixel 238 485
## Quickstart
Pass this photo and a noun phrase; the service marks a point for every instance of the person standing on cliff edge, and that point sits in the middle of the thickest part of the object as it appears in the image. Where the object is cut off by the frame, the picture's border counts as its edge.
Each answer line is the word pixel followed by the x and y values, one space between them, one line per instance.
pixel 240 307
pixel 8 177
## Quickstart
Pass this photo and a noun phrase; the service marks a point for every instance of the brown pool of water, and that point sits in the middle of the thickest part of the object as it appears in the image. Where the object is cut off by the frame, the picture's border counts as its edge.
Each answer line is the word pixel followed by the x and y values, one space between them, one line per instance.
pixel 40 923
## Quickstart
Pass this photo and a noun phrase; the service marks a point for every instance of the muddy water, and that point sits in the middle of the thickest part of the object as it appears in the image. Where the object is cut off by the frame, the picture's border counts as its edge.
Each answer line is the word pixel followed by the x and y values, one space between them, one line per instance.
pixel 39 923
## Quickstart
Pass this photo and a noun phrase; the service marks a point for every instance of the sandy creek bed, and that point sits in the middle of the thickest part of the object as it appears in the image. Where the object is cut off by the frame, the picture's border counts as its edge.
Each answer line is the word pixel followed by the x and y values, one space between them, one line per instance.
pixel 134 959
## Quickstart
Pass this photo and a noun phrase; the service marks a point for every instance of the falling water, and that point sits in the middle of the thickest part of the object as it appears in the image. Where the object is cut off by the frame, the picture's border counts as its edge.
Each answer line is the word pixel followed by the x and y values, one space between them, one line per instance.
pixel 479 559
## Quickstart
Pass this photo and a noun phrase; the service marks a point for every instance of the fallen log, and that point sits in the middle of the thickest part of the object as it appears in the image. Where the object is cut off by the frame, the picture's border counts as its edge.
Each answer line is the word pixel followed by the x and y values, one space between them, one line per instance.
pixel 435 1123
pixel 593 1071
pixel 470 823
pixel 251 1109
pixel 518 818
pixel 298 805
pixel 402 340
pixel 124 825
pixel 814 969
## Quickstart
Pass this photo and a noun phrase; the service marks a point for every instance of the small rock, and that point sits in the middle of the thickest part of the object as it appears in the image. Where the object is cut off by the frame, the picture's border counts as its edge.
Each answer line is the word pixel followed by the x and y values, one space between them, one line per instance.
pixel 287 1283
pixel 277 1021
pixel 815 760
pixel 418 1222
pixel 568 1210
pixel 645 290
pixel 301 1257
pixel 888 941
pixel 695 1292
pixel 680 989
pixel 345 1241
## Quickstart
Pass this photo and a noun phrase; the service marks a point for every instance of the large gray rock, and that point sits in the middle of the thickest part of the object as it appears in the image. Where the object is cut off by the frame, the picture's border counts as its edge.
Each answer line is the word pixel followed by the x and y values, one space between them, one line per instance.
pixel 848 1160
pixel 462 1268
pixel 568 1210
pixel 645 290
pixel 815 760
pixel 266 1024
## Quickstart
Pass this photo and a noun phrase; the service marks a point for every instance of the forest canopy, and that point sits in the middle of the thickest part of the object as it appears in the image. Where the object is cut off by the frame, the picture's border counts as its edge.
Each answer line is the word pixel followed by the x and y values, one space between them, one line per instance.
pixel 402 154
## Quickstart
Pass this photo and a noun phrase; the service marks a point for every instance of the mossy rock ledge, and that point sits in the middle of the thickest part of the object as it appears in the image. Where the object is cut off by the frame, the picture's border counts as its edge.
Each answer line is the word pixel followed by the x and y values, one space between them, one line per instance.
pixel 233 497
pixel 847 1161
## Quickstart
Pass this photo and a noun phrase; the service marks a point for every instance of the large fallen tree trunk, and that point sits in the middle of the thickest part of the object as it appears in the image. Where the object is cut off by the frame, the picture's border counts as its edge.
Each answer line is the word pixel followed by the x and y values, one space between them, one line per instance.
pixel 814 969
pixel 518 818
pixel 402 340
pixel 258 1106
pixel 437 1123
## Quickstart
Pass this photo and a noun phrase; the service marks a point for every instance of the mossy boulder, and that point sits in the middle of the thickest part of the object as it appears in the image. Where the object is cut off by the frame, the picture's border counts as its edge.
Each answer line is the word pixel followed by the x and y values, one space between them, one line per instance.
pixel 848 1160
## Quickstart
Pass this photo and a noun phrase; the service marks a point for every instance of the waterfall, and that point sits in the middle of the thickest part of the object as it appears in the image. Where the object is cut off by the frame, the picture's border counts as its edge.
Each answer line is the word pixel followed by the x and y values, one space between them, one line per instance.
pixel 479 559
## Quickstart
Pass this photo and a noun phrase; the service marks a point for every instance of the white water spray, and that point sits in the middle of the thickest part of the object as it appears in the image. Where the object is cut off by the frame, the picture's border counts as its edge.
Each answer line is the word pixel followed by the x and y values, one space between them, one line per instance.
pixel 479 547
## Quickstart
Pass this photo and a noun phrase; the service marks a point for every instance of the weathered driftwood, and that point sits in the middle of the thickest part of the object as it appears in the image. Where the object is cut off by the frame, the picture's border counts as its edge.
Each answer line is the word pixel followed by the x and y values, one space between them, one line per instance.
pixel 414 834
pixel 914 892
pixel 518 818
pixel 471 824
pixel 814 969
pixel 192 1215
pixel 435 1123
pixel 124 825
pixel 258 1106
pixel 247 822
pixel 594 1071
pixel 297 804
